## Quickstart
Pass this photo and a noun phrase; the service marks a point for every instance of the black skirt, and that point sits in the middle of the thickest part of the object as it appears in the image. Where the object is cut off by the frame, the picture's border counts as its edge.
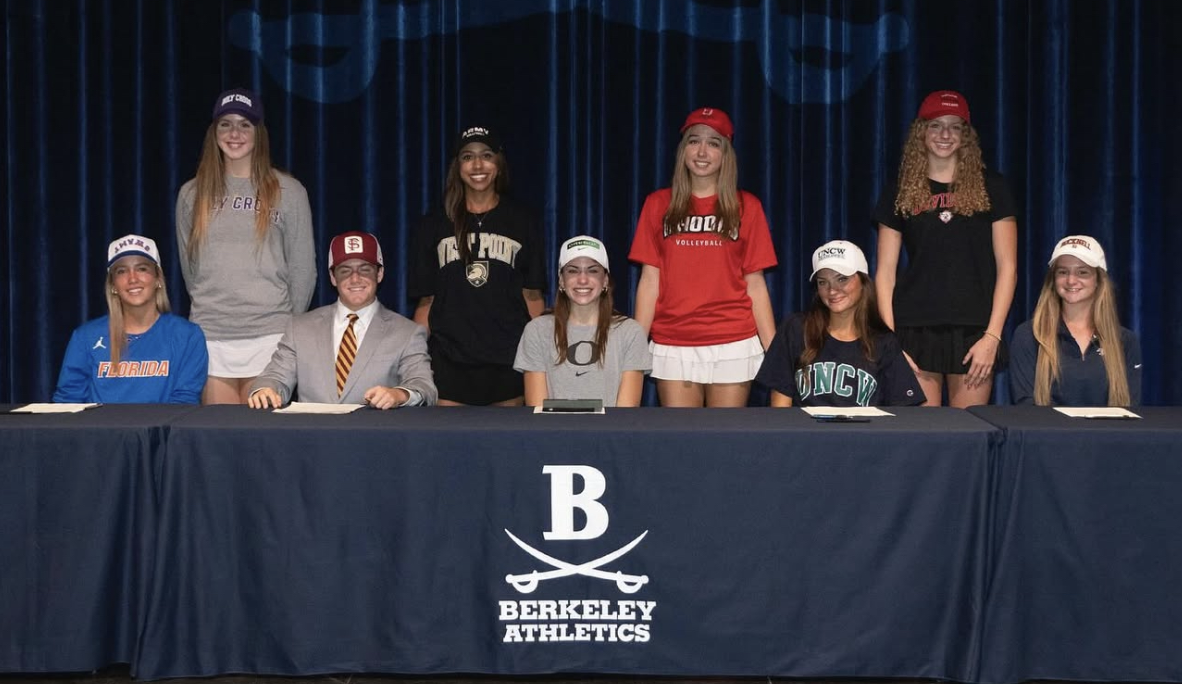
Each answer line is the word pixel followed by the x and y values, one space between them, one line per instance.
pixel 941 348
pixel 474 384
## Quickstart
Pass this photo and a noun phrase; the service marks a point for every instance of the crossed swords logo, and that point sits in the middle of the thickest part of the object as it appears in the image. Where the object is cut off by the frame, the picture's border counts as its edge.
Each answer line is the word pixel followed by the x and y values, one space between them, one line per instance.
pixel 527 582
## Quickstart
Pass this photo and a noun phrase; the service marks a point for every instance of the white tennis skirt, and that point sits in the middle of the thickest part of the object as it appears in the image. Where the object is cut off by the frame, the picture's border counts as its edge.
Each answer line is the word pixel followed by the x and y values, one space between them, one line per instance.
pixel 241 358
pixel 709 365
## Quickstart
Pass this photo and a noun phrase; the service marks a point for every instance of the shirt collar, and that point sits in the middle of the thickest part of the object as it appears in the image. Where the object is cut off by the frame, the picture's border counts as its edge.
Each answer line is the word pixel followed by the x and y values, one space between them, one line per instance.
pixel 364 315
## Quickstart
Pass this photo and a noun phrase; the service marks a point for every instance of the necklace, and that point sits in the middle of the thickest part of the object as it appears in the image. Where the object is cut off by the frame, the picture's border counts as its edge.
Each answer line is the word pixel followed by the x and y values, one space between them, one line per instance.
pixel 480 217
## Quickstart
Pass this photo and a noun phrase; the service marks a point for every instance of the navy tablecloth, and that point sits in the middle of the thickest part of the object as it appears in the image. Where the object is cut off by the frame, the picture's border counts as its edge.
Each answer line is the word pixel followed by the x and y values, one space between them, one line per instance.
pixel 384 541
pixel 77 533
pixel 1086 548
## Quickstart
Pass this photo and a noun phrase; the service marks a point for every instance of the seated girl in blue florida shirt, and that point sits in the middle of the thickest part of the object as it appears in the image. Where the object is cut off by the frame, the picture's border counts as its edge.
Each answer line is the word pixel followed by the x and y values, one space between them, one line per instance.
pixel 138 353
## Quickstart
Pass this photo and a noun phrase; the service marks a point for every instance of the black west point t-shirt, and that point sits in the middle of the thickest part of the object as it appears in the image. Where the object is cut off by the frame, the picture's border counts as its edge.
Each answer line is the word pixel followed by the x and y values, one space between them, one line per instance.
pixel 951 270
pixel 478 312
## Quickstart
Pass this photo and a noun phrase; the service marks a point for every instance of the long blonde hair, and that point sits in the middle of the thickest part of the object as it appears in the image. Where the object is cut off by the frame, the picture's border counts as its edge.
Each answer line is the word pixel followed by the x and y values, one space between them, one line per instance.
pixel 210 186
pixel 728 210
pixel 968 183
pixel 1047 316
pixel 116 330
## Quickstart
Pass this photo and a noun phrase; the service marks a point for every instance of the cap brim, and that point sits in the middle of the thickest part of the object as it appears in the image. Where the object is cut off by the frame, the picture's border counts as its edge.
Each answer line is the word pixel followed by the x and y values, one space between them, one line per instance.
pixel 242 111
pixel 132 252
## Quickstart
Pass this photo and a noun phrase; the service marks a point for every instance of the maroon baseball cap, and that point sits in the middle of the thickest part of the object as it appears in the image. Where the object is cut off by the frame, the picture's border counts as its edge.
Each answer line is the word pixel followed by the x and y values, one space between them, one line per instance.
pixel 944 102
pixel 354 245
pixel 714 118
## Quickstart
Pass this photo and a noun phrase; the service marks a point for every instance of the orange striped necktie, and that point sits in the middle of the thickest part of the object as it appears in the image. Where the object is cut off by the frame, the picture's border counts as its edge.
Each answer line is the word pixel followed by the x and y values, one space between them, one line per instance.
pixel 346 354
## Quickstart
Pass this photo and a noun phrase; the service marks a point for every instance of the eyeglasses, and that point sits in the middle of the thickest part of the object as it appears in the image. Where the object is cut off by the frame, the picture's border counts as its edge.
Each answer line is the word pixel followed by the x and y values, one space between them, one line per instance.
pixel 367 271
pixel 939 128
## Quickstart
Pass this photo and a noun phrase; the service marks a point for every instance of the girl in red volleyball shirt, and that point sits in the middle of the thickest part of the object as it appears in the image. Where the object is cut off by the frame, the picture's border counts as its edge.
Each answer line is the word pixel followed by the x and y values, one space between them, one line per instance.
pixel 703 245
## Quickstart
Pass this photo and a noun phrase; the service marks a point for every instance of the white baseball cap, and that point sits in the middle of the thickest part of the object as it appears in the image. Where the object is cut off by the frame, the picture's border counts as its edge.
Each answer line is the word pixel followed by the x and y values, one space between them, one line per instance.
pixel 132 244
pixel 842 256
pixel 1082 247
pixel 583 246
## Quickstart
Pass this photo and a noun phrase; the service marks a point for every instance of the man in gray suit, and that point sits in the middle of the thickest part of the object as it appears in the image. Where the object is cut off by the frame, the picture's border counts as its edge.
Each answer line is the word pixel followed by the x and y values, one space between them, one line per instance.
pixel 354 351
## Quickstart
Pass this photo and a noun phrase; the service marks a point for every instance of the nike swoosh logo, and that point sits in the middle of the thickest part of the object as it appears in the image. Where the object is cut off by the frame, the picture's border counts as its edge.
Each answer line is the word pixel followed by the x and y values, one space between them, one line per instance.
pixel 1136 366
pixel 579 374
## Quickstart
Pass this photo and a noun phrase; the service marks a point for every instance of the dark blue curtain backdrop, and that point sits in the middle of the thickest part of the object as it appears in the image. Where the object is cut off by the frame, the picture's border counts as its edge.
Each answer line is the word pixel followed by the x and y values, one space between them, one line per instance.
pixel 106 103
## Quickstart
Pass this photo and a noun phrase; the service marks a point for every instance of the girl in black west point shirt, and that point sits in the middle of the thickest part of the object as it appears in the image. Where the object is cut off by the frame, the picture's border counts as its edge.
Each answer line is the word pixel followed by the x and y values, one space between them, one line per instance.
pixel 478 273
pixel 958 223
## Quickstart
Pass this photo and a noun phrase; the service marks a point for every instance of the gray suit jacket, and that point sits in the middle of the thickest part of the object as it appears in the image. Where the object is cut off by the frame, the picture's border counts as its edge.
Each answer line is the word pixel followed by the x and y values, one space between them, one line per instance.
pixel 392 354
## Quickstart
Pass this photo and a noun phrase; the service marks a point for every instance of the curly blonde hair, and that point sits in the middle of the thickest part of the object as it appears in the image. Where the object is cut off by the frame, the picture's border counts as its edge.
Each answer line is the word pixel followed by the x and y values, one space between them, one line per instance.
pixel 968 184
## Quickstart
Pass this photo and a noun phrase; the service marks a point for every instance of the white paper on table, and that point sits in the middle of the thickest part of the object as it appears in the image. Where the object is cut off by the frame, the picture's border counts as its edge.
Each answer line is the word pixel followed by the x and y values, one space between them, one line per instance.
pixel 53 408
pixel 1097 412
pixel 313 407
pixel 860 411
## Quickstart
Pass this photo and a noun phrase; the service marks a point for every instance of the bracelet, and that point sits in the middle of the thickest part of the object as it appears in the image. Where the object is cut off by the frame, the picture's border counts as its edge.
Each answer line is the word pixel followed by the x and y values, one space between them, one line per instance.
pixel 993 336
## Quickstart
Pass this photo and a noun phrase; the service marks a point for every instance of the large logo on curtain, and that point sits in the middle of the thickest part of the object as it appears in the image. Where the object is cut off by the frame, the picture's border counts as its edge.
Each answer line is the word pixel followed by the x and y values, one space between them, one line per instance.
pixel 575 618
pixel 782 41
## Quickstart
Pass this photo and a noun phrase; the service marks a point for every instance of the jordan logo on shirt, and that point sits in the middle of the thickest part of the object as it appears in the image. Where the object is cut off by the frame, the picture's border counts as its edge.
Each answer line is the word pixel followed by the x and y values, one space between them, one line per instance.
pixel 832 378
pixel 99 343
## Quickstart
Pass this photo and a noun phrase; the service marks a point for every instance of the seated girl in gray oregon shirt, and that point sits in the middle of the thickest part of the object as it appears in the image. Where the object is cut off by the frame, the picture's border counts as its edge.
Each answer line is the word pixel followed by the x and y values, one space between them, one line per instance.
pixel 583 349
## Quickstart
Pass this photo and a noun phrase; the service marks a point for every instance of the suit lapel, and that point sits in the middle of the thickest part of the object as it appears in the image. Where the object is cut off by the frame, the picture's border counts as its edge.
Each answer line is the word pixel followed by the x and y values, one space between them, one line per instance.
pixel 327 347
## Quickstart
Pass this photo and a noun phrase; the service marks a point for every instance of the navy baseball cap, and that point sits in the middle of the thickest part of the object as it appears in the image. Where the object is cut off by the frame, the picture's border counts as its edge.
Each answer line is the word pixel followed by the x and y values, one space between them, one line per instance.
pixel 239 101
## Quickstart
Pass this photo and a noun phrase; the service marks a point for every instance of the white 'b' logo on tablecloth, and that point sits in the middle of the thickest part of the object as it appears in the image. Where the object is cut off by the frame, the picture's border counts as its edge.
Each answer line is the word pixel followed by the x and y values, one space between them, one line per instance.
pixel 564 500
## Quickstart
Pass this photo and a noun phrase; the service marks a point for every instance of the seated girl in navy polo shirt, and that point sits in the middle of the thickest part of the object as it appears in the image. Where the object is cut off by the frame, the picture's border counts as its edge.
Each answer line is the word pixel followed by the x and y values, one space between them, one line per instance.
pixel 1074 351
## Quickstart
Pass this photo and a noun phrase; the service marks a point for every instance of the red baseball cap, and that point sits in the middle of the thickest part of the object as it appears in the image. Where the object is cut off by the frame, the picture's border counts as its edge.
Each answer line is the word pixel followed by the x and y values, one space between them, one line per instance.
pixel 943 102
pixel 354 245
pixel 714 118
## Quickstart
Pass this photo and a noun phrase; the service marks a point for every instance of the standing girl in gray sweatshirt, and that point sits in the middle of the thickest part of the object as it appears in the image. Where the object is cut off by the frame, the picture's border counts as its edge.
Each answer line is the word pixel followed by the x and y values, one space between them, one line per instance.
pixel 244 230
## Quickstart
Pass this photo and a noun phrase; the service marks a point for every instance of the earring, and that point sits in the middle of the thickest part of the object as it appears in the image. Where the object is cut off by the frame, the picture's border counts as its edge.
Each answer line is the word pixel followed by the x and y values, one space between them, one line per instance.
pixel 114 291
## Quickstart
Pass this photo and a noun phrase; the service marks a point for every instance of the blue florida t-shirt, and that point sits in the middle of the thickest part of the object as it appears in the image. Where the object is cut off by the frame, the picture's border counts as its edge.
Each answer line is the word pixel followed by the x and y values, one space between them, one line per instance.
pixel 165 365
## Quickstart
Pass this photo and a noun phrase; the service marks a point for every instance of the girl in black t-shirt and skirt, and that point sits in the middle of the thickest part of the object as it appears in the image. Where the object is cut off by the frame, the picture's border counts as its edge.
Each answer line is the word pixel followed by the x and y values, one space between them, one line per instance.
pixel 959 226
